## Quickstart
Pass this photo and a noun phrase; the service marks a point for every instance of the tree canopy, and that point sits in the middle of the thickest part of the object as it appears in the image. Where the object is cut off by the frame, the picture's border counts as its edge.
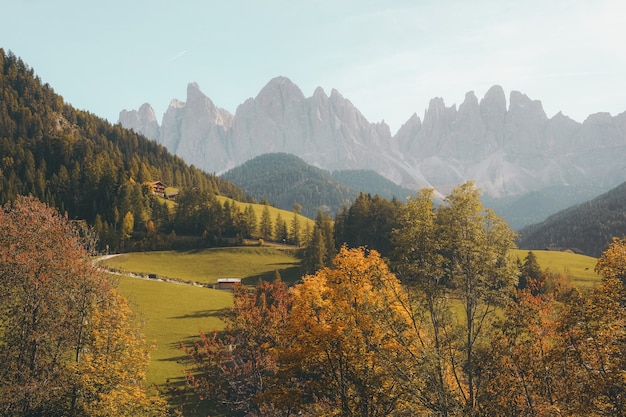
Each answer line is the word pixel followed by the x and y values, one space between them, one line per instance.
pixel 69 344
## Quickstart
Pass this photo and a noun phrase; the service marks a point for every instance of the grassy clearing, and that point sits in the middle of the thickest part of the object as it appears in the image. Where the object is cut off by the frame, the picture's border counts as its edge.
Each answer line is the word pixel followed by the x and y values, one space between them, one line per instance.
pixel 176 313
pixel 286 215
pixel 205 266
pixel 173 313
pixel 579 268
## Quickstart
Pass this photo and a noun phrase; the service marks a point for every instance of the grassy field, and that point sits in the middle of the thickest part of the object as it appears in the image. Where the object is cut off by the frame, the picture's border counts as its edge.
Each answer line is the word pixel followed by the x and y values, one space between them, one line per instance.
pixel 205 266
pixel 258 212
pixel 579 268
pixel 173 313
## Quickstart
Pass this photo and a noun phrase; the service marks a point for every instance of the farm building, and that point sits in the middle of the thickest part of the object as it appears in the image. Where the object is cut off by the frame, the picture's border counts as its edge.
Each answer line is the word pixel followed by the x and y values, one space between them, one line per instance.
pixel 158 188
pixel 226 283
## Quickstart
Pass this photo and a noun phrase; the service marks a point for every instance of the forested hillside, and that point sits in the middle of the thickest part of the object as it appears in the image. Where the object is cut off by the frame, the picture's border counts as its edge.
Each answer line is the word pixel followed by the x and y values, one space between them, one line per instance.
pixel 86 167
pixel 370 182
pixel 285 180
pixel 587 227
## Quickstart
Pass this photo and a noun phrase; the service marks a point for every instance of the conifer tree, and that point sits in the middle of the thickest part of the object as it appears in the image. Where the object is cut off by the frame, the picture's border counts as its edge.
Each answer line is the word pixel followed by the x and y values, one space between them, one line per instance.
pixel 295 234
pixel 265 227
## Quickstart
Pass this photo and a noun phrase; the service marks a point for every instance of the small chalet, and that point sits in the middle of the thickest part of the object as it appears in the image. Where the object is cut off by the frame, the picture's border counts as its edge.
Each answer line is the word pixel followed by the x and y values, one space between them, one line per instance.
pixel 172 195
pixel 226 283
pixel 158 188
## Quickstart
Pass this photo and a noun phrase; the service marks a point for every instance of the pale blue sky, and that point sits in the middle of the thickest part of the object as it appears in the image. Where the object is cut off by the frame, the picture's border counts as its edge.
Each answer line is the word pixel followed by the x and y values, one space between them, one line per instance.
pixel 388 57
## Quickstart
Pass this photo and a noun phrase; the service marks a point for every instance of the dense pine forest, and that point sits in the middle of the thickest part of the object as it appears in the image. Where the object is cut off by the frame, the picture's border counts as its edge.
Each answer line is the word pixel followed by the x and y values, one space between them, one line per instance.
pixel 92 170
pixel 587 227
pixel 284 179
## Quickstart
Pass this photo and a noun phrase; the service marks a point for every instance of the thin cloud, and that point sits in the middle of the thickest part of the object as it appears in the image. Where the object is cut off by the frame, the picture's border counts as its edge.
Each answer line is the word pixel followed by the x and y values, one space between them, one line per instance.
pixel 178 55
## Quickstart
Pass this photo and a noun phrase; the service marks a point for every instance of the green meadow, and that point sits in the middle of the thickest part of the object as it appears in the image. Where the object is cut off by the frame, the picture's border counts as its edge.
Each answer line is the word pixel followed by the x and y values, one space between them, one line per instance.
pixel 579 268
pixel 173 313
pixel 286 215
pixel 205 266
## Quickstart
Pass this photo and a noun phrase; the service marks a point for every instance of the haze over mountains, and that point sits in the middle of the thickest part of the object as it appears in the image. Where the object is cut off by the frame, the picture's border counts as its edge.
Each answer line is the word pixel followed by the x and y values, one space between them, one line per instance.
pixel 511 150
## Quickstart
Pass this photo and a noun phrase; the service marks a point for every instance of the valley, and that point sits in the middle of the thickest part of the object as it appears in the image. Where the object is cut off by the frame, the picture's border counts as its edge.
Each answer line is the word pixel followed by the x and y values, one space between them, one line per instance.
pixel 177 313
pixel 395 269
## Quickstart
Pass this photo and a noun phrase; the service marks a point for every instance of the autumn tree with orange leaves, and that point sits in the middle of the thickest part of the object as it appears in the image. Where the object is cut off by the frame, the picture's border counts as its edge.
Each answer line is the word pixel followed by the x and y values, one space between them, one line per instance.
pixel 68 343
pixel 235 367
pixel 446 334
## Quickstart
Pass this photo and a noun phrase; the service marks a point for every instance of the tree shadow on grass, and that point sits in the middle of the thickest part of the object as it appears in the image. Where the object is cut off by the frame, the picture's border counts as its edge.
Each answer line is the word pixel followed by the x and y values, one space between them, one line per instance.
pixel 176 391
pixel 289 275
pixel 202 314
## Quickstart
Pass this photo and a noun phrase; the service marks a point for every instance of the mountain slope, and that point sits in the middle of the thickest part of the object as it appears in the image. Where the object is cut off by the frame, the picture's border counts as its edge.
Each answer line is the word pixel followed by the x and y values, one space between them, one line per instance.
pixel 588 227
pixel 284 180
pixel 81 164
pixel 509 150
pixel 370 182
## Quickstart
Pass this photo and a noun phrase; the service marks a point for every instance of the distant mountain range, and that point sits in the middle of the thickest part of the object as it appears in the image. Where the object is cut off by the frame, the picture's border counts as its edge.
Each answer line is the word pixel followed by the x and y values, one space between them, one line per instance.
pixel 514 153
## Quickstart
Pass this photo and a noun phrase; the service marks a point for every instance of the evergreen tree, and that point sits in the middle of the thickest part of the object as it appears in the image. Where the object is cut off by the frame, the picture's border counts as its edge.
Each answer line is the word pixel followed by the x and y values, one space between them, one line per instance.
pixel 530 273
pixel 250 221
pixel 295 235
pixel 281 231
pixel 315 252
pixel 265 227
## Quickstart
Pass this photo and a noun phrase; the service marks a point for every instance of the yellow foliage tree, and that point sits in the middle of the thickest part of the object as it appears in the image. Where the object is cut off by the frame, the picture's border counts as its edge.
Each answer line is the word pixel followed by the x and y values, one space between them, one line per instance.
pixel 457 251
pixel 112 365
pixel 342 338
pixel 67 343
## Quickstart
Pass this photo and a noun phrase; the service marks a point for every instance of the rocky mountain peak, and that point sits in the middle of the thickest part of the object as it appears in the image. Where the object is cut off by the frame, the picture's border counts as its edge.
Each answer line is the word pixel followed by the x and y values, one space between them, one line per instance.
pixel 142 121
pixel 470 102
pixel 319 93
pixel 507 151
pixel 520 103
pixel 494 99
pixel 280 92
pixel 194 92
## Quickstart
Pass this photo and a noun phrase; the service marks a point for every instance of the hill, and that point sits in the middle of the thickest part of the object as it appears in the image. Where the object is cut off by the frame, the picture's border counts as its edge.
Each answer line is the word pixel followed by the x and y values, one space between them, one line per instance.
pixel 586 227
pixel 370 182
pixel 285 179
pixel 580 269
pixel 536 206
pixel 83 165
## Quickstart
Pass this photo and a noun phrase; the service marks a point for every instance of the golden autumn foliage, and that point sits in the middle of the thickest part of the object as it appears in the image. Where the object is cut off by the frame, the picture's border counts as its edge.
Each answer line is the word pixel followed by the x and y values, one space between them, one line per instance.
pixel 444 333
pixel 68 342
pixel 340 337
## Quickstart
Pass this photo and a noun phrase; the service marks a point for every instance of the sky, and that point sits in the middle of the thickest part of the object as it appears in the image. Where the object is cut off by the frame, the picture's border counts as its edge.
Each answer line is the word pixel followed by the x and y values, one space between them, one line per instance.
pixel 388 57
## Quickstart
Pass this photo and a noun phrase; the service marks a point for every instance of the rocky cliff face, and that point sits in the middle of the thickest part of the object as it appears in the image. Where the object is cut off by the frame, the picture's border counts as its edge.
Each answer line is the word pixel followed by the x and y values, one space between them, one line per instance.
pixel 142 121
pixel 507 151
